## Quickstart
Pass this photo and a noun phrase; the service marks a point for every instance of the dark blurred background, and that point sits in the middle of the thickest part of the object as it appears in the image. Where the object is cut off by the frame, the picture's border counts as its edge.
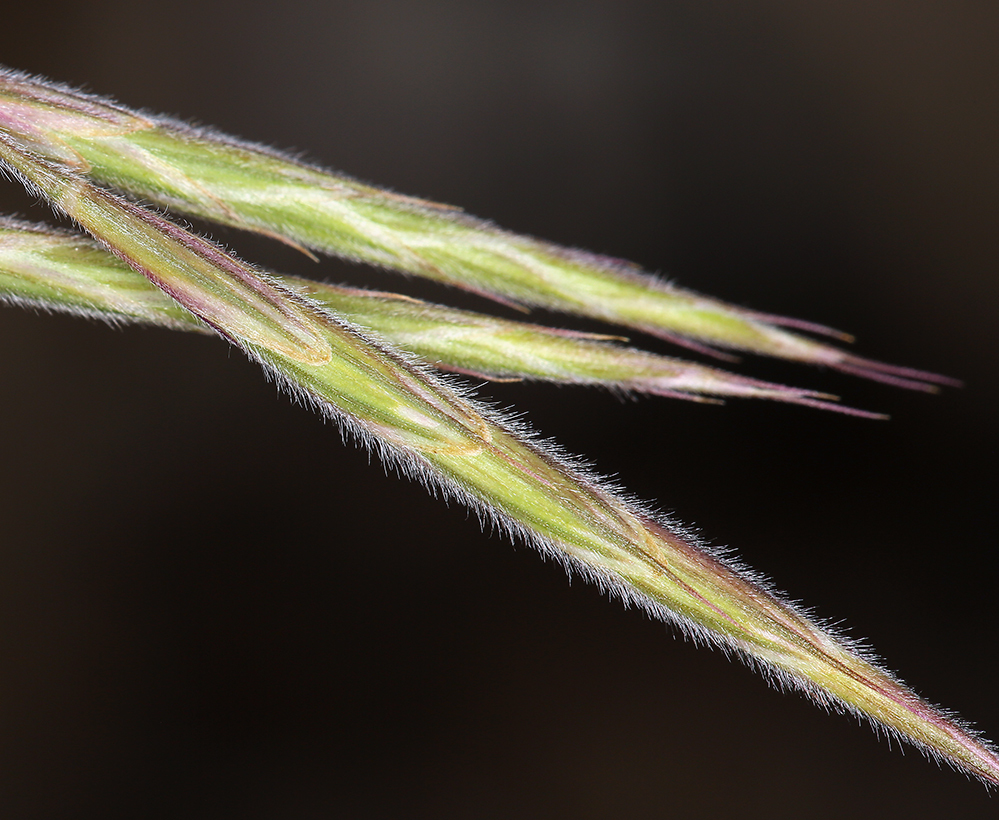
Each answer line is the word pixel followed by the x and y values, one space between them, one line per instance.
pixel 212 608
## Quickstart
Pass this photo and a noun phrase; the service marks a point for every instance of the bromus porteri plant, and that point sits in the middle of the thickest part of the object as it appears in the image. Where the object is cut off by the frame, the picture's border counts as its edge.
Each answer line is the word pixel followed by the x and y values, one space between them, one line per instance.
pixel 362 358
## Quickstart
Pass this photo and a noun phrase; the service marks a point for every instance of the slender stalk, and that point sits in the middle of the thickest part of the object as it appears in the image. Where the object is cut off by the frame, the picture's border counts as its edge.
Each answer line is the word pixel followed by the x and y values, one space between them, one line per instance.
pixel 437 433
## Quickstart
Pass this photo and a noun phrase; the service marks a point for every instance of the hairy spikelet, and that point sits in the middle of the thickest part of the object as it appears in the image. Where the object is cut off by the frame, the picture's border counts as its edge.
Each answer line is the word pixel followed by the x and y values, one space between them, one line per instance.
pixel 219 178
pixel 65 272
pixel 426 426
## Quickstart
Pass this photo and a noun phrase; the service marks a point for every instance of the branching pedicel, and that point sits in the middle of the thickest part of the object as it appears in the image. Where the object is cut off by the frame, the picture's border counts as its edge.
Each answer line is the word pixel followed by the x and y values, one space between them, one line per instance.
pixel 334 348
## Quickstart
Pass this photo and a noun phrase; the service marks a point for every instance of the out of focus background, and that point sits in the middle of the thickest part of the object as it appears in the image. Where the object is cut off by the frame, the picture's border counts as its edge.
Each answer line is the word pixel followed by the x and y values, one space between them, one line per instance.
pixel 212 608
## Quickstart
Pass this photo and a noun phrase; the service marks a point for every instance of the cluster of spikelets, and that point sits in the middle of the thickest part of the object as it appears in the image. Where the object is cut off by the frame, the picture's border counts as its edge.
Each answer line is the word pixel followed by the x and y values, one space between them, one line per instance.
pixel 364 358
